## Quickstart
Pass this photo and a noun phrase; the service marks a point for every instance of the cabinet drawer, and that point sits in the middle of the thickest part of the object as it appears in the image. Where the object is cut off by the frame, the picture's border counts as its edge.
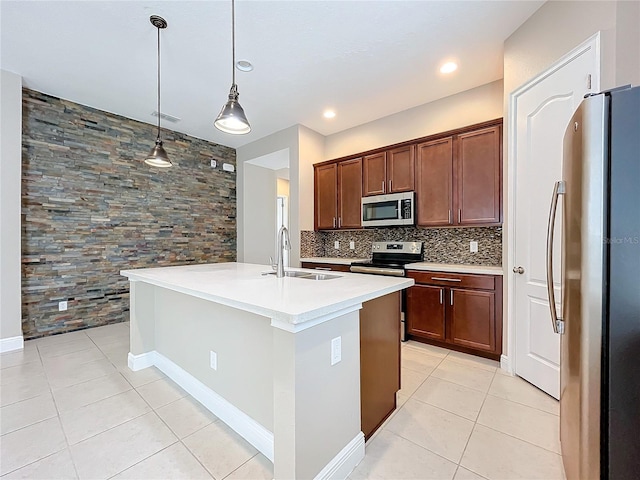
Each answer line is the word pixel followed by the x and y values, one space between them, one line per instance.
pixel 326 266
pixel 483 282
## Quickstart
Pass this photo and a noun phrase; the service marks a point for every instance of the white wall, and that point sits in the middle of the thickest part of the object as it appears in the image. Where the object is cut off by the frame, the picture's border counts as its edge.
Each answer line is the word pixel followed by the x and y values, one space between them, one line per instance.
pixel 466 108
pixel 250 239
pixel 551 32
pixel 312 150
pixel 10 184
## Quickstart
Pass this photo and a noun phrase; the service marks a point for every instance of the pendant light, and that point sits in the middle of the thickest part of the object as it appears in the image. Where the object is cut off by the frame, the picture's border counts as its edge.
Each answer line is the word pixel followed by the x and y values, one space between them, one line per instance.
pixel 158 156
pixel 232 118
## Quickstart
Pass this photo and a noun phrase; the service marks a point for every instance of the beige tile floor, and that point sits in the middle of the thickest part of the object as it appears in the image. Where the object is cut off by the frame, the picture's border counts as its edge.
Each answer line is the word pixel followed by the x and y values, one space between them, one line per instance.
pixel 71 408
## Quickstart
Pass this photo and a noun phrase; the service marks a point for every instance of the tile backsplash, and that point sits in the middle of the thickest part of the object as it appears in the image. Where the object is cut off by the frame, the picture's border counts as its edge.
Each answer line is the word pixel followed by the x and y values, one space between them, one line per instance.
pixel 441 245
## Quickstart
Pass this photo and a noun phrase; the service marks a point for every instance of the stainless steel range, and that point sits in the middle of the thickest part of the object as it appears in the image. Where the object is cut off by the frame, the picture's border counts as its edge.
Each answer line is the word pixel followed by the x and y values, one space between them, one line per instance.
pixel 389 258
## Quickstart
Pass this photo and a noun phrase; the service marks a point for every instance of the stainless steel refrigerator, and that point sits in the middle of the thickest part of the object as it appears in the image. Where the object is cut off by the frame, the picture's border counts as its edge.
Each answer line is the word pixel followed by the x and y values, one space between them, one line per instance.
pixel 600 293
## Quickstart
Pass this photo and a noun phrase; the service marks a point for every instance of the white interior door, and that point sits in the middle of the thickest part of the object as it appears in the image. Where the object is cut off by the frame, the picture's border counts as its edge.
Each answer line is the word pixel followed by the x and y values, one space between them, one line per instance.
pixel 542 110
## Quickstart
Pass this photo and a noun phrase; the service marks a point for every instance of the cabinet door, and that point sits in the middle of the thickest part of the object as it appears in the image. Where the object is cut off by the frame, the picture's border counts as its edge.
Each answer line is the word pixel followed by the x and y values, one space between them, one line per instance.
pixel 374 174
pixel 400 170
pixel 472 318
pixel 425 311
pixel 478 177
pixel 434 169
pixel 326 196
pixel 349 193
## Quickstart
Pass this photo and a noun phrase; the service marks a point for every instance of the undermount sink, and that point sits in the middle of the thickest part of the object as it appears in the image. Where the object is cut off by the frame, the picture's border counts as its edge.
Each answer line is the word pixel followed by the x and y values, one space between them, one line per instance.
pixel 306 275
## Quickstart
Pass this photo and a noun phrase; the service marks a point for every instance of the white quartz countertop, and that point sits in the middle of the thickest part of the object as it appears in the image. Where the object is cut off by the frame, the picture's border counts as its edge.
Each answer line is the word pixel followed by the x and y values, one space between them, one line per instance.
pixel 454 268
pixel 288 299
pixel 333 260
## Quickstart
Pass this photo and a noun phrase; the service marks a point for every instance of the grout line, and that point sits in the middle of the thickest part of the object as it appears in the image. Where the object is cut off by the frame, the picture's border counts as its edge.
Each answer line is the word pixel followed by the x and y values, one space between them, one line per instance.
pixel 145 458
pixel 525 405
pixel 230 473
pixel 518 438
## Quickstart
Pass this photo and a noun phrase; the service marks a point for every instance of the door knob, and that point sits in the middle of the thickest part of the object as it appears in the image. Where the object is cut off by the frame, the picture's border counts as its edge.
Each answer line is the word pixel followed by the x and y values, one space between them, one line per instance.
pixel 519 270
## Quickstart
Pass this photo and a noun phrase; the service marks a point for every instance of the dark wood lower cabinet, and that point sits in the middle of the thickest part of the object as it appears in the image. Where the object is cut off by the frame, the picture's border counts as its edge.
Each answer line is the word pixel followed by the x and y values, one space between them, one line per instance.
pixel 379 360
pixel 326 266
pixel 465 317
pixel 426 306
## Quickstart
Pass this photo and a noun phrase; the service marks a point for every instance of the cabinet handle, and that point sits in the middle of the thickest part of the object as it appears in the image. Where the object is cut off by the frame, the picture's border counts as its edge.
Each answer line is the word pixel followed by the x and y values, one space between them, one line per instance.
pixel 390 186
pixel 459 215
pixel 449 216
pixel 383 187
pixel 451 296
pixel 446 279
pixel 334 222
pixel 323 268
pixel 441 295
pixel 339 222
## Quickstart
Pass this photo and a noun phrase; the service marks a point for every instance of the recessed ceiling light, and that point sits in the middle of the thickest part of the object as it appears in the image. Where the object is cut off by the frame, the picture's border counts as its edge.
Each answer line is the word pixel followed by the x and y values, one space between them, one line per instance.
pixel 329 114
pixel 244 65
pixel 449 67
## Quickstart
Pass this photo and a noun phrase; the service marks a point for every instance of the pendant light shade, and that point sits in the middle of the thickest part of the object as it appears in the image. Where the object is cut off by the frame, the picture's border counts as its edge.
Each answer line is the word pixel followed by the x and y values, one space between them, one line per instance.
pixel 158 156
pixel 232 118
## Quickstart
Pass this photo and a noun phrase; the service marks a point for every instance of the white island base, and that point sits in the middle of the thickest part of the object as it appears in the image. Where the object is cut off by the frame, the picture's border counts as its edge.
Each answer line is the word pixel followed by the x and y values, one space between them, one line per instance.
pixel 257 352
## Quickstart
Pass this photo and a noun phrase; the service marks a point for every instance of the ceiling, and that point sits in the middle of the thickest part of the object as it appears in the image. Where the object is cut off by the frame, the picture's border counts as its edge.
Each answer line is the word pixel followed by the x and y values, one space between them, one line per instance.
pixel 365 59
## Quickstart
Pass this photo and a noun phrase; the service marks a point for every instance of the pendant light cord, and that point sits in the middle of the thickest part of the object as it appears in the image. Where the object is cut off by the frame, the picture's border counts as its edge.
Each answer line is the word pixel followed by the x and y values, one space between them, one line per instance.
pixel 158 83
pixel 233 42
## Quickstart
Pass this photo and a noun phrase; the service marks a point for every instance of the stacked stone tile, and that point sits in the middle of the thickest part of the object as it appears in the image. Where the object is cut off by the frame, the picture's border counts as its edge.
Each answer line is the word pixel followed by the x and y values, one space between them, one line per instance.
pixel 441 245
pixel 91 207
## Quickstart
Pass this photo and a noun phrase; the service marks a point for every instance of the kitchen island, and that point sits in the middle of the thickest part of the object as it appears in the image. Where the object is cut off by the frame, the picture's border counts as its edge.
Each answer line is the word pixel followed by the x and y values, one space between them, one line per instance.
pixel 277 359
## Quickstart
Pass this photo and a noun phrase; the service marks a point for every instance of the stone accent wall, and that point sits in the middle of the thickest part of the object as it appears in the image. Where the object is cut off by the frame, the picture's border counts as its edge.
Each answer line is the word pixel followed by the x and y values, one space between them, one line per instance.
pixel 442 245
pixel 91 207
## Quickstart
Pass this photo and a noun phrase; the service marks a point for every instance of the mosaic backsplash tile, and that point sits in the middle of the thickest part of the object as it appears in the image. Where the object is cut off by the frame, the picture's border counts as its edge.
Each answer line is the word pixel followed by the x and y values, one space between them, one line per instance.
pixel 91 207
pixel 441 245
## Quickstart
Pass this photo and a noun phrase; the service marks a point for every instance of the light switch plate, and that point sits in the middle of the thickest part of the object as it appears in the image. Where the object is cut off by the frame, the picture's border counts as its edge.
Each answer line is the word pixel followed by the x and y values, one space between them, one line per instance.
pixel 228 167
pixel 336 245
pixel 352 245
pixel 62 306
pixel 214 164
pixel 336 350
pixel 473 246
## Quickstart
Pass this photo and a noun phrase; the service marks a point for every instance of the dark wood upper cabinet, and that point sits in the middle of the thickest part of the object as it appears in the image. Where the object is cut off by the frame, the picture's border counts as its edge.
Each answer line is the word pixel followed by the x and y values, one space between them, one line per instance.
pixel 326 196
pixel 374 174
pixel 388 172
pixel 338 195
pixel 400 169
pixel 434 172
pixel 349 193
pixel 478 169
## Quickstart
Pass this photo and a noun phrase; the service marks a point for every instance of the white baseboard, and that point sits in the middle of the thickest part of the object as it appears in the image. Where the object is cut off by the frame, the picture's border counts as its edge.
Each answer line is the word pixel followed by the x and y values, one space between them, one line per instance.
pixel 139 362
pixel 243 424
pixel 12 343
pixel 345 461
pixel 505 364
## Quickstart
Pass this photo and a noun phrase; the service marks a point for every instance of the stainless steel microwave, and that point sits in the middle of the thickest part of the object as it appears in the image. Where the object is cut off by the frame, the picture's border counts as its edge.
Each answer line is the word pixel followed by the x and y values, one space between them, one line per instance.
pixel 389 210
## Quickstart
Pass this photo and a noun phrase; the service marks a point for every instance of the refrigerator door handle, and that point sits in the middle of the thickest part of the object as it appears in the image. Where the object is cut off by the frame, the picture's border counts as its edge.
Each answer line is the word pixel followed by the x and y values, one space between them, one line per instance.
pixel 558 189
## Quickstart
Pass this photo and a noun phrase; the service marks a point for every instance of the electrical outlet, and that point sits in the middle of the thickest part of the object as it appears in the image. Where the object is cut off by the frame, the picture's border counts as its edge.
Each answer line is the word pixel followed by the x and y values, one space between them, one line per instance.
pixel 228 167
pixel 352 245
pixel 336 245
pixel 473 246
pixel 62 306
pixel 214 164
pixel 336 350
pixel 213 360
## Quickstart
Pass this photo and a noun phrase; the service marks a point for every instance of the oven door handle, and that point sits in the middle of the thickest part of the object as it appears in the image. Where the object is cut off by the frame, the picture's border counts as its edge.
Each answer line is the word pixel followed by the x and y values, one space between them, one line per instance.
pixel 394 272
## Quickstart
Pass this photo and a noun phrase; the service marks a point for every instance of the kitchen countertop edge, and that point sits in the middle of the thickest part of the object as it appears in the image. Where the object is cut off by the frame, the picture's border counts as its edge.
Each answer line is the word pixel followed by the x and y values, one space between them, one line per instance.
pixel 333 260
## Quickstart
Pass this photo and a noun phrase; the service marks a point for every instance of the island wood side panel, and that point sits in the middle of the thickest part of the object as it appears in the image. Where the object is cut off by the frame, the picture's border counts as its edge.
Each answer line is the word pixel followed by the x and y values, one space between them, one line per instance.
pixel 379 360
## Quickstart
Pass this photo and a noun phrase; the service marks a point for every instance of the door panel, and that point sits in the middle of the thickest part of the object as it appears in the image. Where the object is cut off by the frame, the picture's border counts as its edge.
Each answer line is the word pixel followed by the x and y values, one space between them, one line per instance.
pixel 326 193
pixel 434 171
pixel 542 112
pixel 425 311
pixel 374 174
pixel 478 176
pixel 349 193
pixel 473 318
pixel 400 170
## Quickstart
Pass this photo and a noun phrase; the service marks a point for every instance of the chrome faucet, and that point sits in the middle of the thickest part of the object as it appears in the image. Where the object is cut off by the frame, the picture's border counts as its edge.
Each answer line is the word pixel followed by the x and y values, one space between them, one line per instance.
pixel 283 244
